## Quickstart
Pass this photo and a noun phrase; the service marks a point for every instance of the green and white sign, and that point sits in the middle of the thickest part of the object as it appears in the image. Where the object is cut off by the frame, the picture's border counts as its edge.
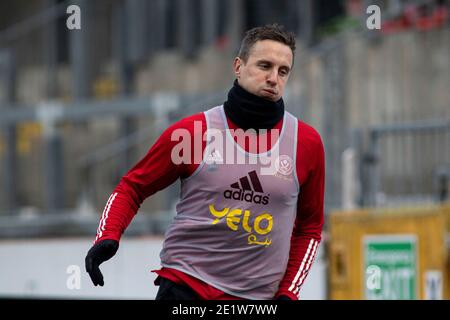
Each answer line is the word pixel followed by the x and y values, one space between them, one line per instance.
pixel 390 267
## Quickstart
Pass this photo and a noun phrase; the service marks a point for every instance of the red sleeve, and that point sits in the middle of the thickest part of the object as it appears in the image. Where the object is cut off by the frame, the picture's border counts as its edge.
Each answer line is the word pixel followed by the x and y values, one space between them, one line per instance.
pixel 154 172
pixel 308 226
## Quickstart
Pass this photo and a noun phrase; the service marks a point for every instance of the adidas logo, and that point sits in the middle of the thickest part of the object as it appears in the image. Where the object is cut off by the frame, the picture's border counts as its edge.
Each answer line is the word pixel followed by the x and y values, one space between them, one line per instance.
pixel 244 191
pixel 214 157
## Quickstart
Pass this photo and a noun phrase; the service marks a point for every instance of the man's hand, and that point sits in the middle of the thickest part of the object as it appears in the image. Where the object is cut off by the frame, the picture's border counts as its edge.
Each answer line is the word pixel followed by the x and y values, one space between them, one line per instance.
pixel 98 254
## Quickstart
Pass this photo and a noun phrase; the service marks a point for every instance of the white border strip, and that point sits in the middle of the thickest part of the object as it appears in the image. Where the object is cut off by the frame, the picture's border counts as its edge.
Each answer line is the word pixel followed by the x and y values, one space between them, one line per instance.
pixel 308 266
pixel 305 258
pixel 101 226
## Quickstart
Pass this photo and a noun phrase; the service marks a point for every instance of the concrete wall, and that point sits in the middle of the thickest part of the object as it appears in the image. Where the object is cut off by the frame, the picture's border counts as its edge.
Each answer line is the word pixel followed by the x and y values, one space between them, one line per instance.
pixel 350 82
pixel 38 268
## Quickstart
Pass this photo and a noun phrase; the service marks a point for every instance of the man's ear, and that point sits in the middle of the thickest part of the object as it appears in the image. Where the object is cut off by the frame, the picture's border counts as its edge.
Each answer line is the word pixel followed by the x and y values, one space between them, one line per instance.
pixel 237 63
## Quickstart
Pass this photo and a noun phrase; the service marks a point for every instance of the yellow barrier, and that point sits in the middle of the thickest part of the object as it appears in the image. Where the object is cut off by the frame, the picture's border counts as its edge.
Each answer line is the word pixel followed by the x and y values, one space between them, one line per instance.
pixel 389 254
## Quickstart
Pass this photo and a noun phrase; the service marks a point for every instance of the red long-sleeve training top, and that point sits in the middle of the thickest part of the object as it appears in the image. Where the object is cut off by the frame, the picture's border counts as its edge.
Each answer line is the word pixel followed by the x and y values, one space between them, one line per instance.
pixel 156 171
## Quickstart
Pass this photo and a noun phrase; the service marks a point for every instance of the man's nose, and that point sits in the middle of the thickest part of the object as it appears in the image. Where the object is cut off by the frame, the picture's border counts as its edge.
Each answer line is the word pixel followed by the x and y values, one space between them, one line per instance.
pixel 272 77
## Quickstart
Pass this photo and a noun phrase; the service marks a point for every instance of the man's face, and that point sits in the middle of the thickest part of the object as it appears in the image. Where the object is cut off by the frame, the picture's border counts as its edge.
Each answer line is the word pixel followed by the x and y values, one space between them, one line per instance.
pixel 267 69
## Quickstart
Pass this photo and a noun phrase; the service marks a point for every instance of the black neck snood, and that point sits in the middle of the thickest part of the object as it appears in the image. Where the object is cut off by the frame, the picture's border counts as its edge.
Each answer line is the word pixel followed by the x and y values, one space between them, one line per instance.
pixel 247 110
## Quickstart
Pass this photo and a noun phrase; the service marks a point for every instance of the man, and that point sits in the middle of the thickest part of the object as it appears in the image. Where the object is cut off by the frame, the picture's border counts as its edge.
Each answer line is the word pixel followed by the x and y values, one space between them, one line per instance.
pixel 240 232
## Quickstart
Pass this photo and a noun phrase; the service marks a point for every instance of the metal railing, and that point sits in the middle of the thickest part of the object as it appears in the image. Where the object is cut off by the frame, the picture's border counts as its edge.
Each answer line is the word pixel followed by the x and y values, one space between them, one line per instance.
pixel 407 163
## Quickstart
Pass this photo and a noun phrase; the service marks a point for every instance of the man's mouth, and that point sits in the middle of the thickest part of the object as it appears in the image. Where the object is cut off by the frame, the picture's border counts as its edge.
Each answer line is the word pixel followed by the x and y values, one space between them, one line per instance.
pixel 270 91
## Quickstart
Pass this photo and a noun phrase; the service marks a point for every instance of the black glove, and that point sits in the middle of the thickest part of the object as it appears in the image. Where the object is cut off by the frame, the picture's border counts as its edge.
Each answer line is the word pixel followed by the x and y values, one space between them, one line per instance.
pixel 99 253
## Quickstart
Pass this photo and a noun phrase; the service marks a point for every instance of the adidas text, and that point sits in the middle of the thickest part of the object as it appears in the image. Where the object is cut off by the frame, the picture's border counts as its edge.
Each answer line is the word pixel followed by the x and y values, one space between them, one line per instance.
pixel 246 196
